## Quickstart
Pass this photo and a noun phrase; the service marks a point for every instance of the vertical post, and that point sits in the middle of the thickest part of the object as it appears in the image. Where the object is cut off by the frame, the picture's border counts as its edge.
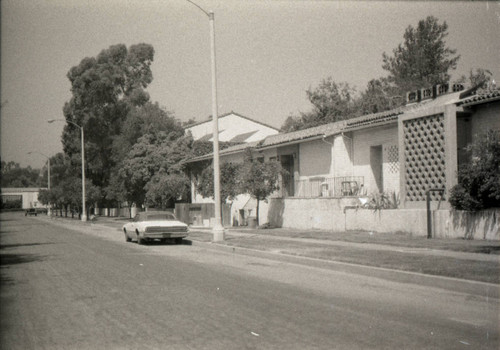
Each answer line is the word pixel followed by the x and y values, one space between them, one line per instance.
pixel 429 214
pixel 218 230
pixel 84 210
pixel 49 212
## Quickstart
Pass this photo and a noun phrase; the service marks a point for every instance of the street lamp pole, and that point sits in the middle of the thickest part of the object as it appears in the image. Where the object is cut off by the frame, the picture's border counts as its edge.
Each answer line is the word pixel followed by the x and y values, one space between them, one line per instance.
pixel 218 229
pixel 84 210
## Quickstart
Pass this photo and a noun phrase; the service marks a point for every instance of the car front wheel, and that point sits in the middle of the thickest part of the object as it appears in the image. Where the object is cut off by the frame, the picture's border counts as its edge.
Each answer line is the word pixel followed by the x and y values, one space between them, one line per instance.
pixel 139 239
pixel 127 238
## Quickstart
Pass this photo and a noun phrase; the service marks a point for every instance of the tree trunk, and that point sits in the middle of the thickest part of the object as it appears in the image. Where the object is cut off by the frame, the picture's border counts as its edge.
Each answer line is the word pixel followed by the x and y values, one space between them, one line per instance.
pixel 257 213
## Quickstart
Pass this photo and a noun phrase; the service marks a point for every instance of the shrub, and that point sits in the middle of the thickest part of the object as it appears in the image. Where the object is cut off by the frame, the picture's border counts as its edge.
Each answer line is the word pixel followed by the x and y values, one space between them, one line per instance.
pixel 479 180
pixel 385 200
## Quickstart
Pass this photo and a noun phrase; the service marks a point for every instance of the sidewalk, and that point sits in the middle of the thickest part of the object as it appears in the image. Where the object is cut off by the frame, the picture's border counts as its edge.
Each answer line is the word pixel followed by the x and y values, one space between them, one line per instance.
pixel 453 258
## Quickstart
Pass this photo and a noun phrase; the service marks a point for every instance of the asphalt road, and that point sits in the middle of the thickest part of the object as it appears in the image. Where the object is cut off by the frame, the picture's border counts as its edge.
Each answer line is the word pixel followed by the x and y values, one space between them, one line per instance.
pixel 63 289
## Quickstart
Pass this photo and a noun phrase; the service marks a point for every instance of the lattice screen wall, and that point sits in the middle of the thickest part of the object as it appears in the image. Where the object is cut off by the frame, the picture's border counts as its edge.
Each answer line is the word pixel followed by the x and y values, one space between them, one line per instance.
pixel 424 152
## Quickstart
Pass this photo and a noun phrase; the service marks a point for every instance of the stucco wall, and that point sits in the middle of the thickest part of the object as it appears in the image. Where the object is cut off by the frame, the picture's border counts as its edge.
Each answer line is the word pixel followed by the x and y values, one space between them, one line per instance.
pixel 486 118
pixel 315 158
pixel 338 215
pixel 314 213
pixel 445 223
pixel 363 141
pixel 342 155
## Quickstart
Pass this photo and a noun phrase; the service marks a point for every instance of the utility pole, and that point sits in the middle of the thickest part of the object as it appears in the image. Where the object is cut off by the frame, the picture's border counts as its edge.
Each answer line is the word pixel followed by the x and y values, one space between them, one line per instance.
pixel 218 229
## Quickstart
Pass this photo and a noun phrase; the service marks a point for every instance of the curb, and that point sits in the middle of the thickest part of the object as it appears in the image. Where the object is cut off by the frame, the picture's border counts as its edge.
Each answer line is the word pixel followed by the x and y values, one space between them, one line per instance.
pixel 488 290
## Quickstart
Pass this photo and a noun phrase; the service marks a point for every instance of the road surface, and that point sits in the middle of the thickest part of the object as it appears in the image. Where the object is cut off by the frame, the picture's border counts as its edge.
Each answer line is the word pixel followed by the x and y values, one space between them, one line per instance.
pixel 64 289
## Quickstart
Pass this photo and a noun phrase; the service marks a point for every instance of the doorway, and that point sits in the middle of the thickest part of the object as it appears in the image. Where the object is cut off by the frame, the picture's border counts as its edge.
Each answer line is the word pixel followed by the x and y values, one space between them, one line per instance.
pixel 376 163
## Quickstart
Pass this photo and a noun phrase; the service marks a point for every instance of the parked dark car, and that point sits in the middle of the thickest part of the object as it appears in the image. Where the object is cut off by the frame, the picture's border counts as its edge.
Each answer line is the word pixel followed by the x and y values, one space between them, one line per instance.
pixel 31 211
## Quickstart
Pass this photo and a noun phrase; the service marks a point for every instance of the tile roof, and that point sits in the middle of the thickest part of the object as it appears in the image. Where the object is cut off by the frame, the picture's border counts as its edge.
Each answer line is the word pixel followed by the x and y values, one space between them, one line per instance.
pixel 481 96
pixel 369 120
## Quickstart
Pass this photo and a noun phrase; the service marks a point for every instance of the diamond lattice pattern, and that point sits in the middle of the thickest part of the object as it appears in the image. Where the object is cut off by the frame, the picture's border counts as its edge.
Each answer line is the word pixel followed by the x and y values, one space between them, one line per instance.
pixel 424 142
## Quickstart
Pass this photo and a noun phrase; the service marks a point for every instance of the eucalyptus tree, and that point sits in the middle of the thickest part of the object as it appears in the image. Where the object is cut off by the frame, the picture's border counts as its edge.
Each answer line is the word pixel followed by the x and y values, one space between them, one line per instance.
pixel 104 90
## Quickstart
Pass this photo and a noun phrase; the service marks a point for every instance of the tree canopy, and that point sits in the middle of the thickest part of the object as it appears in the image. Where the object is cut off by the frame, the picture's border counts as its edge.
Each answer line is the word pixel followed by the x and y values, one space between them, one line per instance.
pixel 259 178
pixel 104 90
pixel 422 60
pixel 13 175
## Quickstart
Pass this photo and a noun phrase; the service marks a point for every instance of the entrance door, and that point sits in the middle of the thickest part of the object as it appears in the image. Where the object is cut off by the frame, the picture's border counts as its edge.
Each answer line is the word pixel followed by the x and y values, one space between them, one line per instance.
pixel 287 164
pixel 376 163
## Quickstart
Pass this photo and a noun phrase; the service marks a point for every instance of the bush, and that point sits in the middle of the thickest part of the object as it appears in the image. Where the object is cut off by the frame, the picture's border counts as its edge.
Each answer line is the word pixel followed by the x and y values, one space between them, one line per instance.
pixel 479 180
pixel 378 201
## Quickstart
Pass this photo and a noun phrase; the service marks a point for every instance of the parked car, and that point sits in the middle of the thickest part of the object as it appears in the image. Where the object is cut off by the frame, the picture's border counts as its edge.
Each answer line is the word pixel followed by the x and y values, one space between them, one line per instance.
pixel 31 211
pixel 155 225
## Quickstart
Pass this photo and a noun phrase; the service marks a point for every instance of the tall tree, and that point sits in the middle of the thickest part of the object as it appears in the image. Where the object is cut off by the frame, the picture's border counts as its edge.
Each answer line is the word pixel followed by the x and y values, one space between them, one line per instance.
pixel 104 90
pixel 423 59
pixel 331 102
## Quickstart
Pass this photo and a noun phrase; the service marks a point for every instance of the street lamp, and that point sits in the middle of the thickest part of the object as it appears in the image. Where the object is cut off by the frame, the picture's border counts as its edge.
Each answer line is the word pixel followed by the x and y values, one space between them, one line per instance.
pixel 48 174
pixel 84 210
pixel 218 229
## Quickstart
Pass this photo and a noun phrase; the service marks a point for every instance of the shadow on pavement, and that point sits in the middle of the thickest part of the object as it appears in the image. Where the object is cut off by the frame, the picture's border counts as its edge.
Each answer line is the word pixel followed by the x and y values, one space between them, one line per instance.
pixel 6 246
pixel 159 243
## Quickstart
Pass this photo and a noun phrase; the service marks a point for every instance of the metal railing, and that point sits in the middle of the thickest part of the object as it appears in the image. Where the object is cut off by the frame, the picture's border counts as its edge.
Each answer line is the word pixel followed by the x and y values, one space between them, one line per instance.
pixel 320 186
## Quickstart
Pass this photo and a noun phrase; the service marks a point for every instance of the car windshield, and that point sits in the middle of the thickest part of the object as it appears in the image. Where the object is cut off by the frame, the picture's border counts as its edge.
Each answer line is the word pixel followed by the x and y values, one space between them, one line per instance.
pixel 159 216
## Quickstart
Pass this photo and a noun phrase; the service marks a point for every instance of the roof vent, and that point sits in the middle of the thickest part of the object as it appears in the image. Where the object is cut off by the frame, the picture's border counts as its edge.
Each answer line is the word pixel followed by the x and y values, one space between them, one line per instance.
pixel 458 87
pixel 412 97
pixel 425 94
pixel 440 89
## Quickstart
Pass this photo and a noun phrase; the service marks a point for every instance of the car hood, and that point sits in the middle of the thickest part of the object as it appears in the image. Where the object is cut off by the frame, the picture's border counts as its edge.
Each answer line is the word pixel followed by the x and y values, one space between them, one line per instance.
pixel 163 223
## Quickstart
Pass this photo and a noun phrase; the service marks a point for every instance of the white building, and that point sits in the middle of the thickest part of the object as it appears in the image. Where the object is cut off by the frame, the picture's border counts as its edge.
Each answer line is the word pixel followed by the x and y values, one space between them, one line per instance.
pixel 233 127
pixel 27 196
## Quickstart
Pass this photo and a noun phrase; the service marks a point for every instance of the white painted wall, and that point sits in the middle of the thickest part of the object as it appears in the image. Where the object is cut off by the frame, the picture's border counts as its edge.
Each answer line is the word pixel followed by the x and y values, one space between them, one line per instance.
pixel 486 118
pixel 315 159
pixel 230 126
pixel 342 164
pixel 363 140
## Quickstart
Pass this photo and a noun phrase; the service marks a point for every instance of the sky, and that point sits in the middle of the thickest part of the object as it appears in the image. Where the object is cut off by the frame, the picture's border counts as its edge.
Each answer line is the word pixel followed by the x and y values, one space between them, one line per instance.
pixel 268 54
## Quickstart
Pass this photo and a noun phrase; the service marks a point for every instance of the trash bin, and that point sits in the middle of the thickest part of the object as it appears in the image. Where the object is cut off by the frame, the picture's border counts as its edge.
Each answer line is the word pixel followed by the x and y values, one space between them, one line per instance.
pixel 252 222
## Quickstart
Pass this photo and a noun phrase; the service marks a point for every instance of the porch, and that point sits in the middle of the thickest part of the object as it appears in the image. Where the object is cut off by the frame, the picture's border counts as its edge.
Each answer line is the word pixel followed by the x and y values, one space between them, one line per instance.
pixel 322 186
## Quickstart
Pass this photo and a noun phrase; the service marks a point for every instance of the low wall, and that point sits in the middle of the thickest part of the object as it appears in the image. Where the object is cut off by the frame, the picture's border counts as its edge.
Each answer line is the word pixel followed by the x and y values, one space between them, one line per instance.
pixel 309 213
pixel 339 215
pixel 445 223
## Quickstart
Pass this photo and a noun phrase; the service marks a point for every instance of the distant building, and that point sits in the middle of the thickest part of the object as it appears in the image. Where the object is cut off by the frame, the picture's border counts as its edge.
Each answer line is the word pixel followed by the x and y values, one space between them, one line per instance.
pixel 233 127
pixel 27 196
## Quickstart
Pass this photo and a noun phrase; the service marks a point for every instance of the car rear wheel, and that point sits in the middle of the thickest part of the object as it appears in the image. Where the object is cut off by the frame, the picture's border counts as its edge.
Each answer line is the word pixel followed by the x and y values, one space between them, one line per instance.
pixel 178 240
